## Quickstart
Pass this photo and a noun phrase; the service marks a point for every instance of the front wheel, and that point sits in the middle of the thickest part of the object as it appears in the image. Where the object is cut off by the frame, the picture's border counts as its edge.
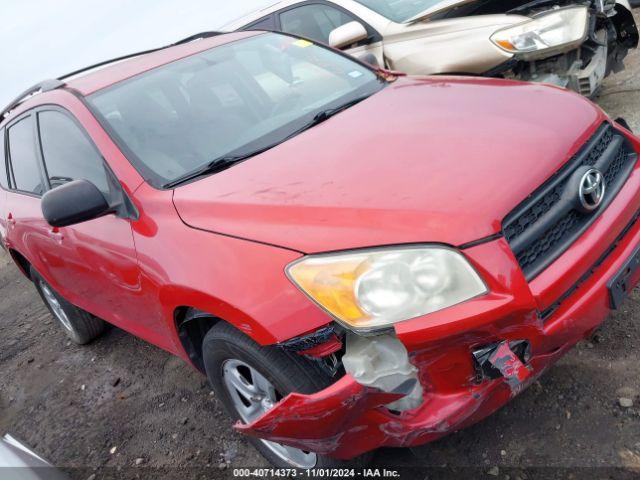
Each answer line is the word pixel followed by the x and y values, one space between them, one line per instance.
pixel 80 326
pixel 250 379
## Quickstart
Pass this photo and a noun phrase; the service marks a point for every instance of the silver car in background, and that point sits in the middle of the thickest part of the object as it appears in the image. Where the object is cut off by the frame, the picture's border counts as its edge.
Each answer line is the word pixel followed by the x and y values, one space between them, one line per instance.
pixel 569 43
pixel 19 462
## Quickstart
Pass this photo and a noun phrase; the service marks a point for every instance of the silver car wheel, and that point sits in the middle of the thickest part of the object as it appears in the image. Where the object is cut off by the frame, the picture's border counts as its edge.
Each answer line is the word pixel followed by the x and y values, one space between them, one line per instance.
pixel 55 306
pixel 252 395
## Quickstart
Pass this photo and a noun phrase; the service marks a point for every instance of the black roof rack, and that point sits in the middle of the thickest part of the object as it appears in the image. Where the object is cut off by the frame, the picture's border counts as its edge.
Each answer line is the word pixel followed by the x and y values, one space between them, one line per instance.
pixel 45 86
pixel 197 36
pixel 53 84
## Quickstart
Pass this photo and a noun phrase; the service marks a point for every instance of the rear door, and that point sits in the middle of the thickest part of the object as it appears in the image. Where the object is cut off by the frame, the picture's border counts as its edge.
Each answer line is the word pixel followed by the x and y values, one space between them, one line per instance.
pixel 3 190
pixel 26 230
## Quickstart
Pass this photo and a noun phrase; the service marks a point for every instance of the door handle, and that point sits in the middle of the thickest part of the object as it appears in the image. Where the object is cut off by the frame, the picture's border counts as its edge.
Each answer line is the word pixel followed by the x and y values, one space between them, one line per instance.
pixel 11 222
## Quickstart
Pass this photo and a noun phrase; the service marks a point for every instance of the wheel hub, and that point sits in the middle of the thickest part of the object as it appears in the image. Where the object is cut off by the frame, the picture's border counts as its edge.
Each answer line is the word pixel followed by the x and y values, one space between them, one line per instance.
pixel 252 395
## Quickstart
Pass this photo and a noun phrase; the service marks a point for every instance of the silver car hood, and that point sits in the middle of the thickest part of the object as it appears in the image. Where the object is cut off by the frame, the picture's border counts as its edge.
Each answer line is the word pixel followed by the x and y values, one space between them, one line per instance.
pixel 438 8
pixel 21 463
pixel 521 7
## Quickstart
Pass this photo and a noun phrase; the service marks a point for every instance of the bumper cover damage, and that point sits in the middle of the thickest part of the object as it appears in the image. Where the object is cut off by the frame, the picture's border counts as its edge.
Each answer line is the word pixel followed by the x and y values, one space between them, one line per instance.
pixel 506 359
pixel 469 360
pixel 612 33
pixel 348 419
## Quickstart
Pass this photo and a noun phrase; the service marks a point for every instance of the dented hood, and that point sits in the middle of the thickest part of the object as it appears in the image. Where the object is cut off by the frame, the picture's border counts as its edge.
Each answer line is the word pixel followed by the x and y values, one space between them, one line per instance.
pixel 424 160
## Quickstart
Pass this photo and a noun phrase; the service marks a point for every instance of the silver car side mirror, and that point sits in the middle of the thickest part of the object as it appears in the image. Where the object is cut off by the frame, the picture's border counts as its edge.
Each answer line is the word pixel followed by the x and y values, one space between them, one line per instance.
pixel 347 34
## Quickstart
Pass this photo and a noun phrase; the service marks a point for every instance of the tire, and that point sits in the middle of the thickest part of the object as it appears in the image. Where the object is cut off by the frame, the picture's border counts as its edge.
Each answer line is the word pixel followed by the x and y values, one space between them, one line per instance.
pixel 288 373
pixel 80 326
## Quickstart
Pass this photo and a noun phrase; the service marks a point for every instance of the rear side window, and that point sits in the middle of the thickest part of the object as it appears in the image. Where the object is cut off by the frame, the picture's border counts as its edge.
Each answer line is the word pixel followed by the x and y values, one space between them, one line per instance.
pixel 266 23
pixel 3 163
pixel 24 161
pixel 68 154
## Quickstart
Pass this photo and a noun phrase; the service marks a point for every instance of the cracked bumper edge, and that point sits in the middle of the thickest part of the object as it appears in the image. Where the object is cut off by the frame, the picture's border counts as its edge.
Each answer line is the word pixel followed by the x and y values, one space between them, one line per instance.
pixel 347 419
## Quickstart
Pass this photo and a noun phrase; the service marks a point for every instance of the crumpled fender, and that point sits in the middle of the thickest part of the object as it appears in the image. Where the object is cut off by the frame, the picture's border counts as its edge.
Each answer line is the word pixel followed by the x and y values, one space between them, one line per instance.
pixel 347 419
pixel 322 418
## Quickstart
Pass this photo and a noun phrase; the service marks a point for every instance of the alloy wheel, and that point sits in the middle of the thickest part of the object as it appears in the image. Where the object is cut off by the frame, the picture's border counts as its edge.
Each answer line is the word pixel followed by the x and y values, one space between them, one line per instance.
pixel 55 306
pixel 253 395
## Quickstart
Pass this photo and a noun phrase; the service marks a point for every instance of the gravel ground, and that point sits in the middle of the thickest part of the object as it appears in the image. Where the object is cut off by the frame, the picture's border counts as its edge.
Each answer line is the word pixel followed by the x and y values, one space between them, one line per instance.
pixel 121 407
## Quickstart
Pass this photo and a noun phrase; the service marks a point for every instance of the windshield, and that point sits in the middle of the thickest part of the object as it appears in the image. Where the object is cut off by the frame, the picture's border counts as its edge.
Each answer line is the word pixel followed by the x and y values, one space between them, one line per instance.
pixel 231 100
pixel 399 10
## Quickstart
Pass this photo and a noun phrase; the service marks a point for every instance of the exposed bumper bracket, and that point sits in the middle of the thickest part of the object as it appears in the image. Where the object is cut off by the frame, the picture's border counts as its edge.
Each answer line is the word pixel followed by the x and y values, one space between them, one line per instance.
pixel 504 359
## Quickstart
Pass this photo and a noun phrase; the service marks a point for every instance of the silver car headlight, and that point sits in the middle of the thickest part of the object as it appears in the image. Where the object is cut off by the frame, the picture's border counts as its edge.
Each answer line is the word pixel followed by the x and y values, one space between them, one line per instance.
pixel 546 31
pixel 372 289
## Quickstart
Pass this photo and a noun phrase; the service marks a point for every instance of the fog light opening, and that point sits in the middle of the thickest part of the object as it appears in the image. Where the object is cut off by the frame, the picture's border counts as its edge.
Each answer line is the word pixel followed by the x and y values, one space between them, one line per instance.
pixel 489 361
pixel 382 362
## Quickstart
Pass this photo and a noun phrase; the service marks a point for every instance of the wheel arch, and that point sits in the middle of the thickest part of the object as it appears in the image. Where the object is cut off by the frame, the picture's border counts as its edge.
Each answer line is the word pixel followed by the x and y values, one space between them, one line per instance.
pixel 624 22
pixel 192 324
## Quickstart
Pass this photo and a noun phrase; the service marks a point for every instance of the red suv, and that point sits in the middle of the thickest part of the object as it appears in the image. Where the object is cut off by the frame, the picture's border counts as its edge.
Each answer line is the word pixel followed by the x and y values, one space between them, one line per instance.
pixel 355 258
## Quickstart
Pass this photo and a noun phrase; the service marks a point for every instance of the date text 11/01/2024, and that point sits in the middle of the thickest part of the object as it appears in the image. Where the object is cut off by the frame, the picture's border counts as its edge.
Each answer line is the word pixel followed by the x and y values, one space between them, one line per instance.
pixel 317 472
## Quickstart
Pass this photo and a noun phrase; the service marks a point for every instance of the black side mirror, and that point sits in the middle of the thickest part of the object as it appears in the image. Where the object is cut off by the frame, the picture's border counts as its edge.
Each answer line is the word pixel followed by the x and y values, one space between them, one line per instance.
pixel 74 202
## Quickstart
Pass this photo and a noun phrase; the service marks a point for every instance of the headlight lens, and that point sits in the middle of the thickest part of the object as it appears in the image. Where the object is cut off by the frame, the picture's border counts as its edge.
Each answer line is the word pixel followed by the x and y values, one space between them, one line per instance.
pixel 376 288
pixel 545 31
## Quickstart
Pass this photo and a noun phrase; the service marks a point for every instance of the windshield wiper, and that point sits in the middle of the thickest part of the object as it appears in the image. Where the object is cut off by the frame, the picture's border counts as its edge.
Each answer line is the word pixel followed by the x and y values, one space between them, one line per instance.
pixel 323 116
pixel 326 114
pixel 216 166
pixel 222 163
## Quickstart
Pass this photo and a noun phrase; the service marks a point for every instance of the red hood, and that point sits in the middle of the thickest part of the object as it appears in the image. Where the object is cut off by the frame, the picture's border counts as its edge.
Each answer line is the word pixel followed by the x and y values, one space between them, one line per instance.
pixel 424 160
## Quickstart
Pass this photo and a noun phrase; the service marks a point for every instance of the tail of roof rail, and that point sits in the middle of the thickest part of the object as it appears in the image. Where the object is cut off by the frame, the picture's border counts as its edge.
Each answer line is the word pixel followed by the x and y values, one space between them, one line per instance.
pixel 44 86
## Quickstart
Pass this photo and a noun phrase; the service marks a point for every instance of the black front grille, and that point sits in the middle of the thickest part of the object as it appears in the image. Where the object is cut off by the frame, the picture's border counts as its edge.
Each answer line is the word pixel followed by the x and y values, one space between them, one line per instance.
pixel 541 228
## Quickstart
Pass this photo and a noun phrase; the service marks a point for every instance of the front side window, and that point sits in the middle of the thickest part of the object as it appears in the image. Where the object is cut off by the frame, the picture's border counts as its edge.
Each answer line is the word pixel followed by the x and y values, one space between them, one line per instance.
pixel 313 21
pixel 399 10
pixel 68 154
pixel 24 161
pixel 234 99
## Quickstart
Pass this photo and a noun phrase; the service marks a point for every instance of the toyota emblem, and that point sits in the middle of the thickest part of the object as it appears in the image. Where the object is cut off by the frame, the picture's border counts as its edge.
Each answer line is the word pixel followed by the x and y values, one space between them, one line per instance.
pixel 591 191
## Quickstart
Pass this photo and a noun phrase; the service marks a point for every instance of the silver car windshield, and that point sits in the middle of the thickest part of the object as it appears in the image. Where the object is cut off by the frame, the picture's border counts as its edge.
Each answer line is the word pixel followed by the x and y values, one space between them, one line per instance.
pixel 229 101
pixel 399 10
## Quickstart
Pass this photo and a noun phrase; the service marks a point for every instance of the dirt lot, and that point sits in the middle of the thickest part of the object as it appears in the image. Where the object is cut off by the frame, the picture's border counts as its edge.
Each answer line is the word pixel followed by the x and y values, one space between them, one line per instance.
pixel 120 407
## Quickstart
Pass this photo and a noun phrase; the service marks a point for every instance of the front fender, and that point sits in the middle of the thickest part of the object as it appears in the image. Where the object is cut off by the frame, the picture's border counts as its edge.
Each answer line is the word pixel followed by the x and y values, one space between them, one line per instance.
pixel 456 45
pixel 240 281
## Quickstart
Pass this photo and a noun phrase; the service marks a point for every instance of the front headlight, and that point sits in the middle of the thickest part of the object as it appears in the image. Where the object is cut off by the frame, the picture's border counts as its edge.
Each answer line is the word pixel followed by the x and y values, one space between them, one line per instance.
pixel 376 288
pixel 546 31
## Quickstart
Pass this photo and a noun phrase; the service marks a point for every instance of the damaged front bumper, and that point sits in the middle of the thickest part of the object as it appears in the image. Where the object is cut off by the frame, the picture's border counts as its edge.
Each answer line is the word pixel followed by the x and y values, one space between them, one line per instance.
pixel 612 33
pixel 572 72
pixel 348 419
pixel 470 360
